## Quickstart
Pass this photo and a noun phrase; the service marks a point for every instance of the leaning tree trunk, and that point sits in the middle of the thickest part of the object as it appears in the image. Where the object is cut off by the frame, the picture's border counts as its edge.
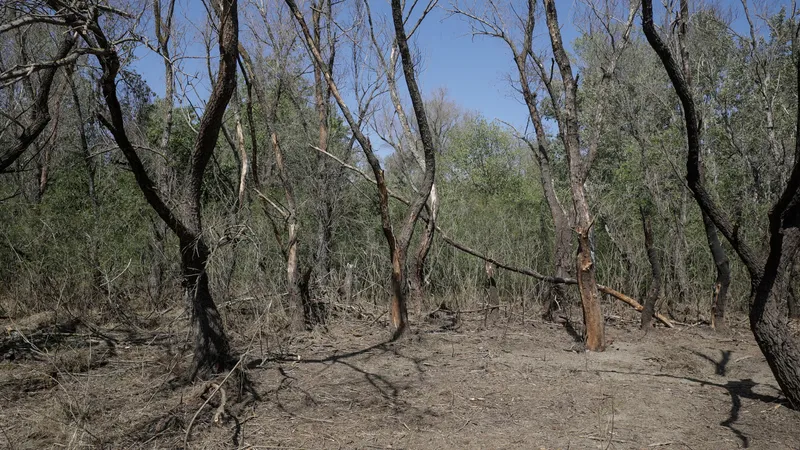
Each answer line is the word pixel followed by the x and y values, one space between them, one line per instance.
pixel 767 277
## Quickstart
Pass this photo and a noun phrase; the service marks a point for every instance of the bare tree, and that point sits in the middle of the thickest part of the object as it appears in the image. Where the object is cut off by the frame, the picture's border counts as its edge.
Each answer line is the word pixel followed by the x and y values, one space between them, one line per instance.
pixel 523 54
pixel 767 274
pixel 212 352
pixel 26 130
pixel 398 243
pixel 408 146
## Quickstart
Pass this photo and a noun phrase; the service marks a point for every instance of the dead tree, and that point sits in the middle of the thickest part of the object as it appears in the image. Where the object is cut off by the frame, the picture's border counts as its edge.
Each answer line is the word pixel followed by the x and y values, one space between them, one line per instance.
pixel 398 243
pixel 767 274
pixel 523 55
pixel 212 352
pixel 322 102
pixel 408 145
pixel 495 263
pixel 298 307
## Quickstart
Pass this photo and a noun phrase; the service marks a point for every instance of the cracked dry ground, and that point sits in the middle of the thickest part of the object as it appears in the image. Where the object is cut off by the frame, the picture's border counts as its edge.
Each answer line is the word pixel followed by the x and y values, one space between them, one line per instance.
pixel 510 386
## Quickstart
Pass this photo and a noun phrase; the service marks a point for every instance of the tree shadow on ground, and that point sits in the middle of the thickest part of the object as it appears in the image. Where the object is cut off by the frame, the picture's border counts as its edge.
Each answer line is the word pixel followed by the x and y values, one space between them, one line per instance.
pixel 736 389
pixel 721 366
pixel 382 384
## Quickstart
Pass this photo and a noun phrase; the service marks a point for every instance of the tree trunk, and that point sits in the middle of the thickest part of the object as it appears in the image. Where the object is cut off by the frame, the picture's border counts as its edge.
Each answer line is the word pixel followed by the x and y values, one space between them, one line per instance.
pixel 769 327
pixel 579 165
pixel 767 277
pixel 322 95
pixel 296 307
pixel 212 354
pixel 793 298
pixel 211 344
pixel 723 280
pixel 655 266
pixel 426 241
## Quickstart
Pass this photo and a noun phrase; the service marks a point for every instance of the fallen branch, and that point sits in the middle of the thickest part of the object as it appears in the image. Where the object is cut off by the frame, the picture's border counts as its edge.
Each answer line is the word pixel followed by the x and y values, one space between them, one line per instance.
pixel 524 271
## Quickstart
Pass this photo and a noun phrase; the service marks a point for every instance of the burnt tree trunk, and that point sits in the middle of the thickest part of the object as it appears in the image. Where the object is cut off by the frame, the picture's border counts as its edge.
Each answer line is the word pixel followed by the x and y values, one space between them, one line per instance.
pixel 767 277
pixel 723 280
pixel 719 298
pixel 212 352
pixel 654 257
pixel 793 298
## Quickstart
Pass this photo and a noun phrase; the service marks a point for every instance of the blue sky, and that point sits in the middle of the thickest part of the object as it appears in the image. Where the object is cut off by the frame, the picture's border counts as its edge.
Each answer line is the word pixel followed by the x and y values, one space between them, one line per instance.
pixel 474 70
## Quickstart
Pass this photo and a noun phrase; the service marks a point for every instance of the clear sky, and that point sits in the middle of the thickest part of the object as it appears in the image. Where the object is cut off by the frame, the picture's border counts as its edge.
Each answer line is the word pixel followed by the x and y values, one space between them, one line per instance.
pixel 474 70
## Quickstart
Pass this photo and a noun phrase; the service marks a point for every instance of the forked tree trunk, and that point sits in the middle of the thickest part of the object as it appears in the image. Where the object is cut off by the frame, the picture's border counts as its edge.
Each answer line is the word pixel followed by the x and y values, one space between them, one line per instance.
pixel 212 352
pixel 579 167
pixel 398 244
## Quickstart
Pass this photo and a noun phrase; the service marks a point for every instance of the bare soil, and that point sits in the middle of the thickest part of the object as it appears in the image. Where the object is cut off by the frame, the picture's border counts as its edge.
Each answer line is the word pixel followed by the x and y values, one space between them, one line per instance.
pixel 506 385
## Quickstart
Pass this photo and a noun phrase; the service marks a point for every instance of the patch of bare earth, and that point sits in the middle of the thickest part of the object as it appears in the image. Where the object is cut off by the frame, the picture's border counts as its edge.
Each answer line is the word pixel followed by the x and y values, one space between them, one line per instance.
pixel 508 386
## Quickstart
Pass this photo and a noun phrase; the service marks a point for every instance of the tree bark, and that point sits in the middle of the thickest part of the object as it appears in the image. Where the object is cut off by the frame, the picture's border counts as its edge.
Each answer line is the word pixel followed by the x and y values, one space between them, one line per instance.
pixel 322 97
pixel 793 299
pixel 212 352
pixel 719 300
pixel 585 269
pixel 723 280
pixel 767 280
pixel 654 258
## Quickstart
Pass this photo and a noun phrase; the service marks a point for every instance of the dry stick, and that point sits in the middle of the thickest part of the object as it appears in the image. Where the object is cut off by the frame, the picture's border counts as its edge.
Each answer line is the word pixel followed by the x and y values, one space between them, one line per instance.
pixel 218 387
pixel 531 273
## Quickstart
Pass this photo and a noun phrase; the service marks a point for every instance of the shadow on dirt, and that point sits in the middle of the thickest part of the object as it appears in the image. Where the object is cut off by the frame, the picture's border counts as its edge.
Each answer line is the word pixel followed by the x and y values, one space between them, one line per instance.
pixel 736 389
pixel 721 366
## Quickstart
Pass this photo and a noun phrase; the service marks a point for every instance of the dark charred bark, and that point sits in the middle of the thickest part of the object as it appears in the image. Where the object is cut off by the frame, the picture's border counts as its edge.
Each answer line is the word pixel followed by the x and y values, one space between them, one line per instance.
pixel 719 299
pixel 212 352
pixel 723 280
pixel 767 277
pixel 793 299
pixel 654 257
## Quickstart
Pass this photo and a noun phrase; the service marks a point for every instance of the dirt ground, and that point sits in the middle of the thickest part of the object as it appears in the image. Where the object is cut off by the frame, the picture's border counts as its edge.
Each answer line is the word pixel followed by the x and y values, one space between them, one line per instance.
pixel 506 385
